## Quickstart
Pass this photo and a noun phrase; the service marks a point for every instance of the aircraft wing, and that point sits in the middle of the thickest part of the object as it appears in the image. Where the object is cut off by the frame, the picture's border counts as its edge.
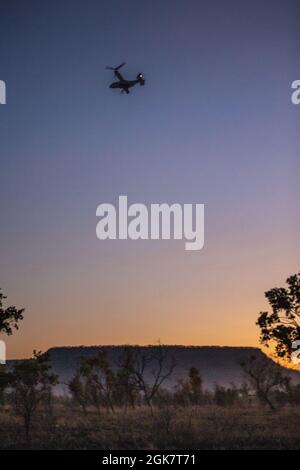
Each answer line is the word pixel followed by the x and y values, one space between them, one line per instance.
pixel 119 76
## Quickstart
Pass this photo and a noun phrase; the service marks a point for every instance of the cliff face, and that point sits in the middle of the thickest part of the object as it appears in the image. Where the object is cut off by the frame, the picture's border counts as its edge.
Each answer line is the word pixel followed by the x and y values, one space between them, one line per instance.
pixel 217 365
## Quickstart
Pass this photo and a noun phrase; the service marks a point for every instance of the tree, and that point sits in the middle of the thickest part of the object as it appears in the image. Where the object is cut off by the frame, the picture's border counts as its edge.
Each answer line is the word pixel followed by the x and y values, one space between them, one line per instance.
pixel 148 370
pixel 195 386
pixel 189 391
pixel 97 384
pixel 126 393
pixel 98 381
pixel 32 382
pixel 9 317
pixel 281 326
pixel 78 389
pixel 265 376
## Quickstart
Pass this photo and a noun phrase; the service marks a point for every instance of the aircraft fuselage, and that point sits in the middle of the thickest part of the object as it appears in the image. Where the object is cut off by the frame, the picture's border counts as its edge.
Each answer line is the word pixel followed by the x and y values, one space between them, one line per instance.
pixel 124 84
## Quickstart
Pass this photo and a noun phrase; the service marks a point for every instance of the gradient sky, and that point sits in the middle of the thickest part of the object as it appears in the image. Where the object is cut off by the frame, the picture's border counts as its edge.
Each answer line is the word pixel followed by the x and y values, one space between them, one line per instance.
pixel 214 125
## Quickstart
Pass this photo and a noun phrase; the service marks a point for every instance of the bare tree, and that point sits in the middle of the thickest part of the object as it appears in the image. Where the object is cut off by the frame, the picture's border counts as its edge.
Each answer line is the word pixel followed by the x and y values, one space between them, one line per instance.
pixel 149 368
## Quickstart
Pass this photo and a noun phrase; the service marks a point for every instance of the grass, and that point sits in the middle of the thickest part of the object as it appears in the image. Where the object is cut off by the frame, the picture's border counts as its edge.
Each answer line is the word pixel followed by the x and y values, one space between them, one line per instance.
pixel 170 428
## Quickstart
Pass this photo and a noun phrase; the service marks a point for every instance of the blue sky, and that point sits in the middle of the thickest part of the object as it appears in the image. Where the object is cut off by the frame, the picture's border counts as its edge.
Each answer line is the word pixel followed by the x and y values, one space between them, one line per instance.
pixel 214 125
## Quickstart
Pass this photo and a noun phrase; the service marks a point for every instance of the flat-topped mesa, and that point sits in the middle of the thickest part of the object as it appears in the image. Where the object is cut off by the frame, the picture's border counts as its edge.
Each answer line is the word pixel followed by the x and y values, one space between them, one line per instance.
pixel 217 364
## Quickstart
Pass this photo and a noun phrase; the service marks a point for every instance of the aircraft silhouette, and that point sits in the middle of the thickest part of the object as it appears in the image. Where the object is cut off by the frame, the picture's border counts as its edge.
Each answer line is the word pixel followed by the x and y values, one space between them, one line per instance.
pixel 123 84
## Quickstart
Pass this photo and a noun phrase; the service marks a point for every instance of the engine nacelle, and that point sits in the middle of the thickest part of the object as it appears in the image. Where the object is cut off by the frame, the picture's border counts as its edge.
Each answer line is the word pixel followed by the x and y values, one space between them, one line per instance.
pixel 141 79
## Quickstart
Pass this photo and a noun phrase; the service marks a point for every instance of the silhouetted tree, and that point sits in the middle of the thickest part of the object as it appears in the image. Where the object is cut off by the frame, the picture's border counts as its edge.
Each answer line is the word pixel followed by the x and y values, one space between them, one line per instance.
pixel 125 393
pixel 32 382
pixel 97 384
pixel 99 380
pixel 9 317
pixel 195 386
pixel 190 391
pixel 265 376
pixel 282 325
pixel 78 389
pixel 149 369
pixel 182 393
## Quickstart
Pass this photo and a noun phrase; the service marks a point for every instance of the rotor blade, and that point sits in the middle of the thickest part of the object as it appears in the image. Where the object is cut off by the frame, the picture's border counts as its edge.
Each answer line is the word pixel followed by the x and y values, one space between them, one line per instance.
pixel 115 68
pixel 119 66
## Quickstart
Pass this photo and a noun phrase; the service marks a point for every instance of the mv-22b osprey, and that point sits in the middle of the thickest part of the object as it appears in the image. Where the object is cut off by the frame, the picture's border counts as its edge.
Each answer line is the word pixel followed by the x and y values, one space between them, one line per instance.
pixel 123 84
